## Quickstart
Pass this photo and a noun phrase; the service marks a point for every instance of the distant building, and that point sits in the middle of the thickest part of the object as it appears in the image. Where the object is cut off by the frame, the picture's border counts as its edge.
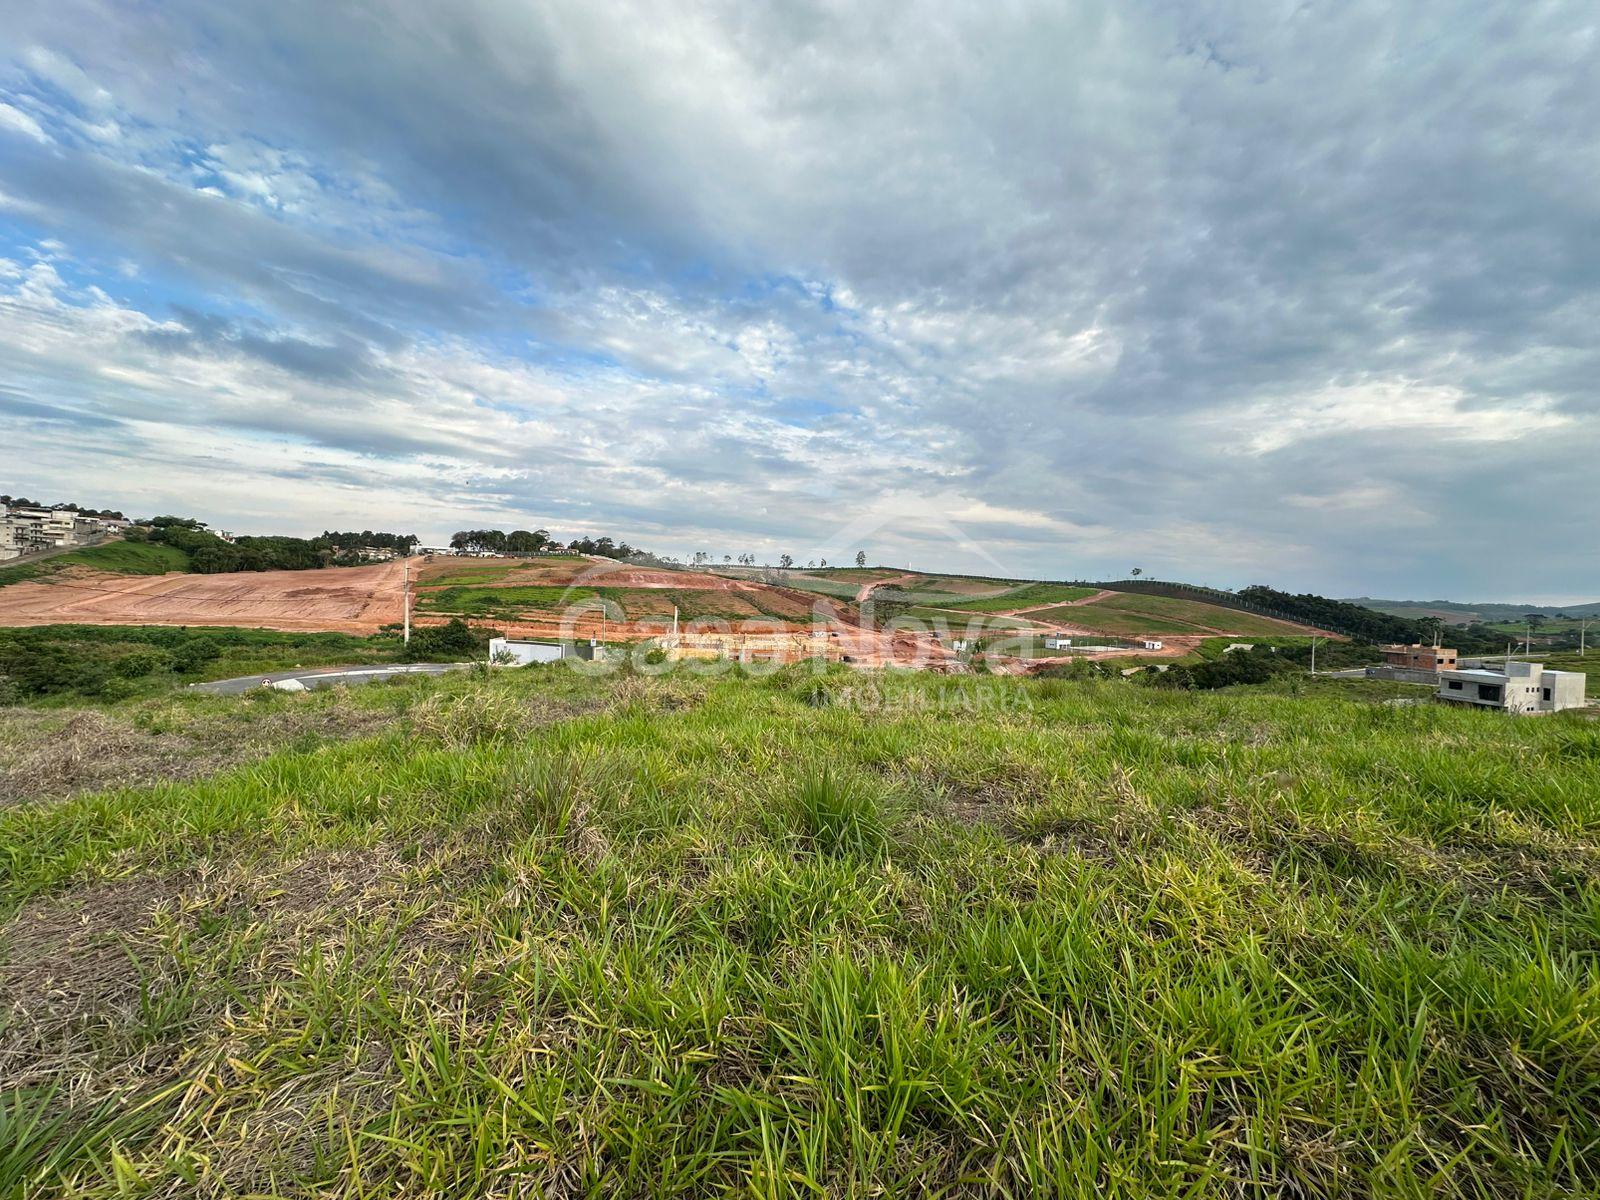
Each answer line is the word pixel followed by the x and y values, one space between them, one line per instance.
pixel 1518 687
pixel 519 653
pixel 1418 657
pixel 26 530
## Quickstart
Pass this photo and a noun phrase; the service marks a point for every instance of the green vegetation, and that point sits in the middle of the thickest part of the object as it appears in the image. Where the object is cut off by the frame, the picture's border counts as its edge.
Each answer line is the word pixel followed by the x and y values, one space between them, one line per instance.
pixel 805 581
pixel 539 934
pixel 454 641
pixel 502 601
pixel 209 554
pixel 116 662
pixel 123 558
pixel 1030 596
pixel 1355 620
pixel 505 602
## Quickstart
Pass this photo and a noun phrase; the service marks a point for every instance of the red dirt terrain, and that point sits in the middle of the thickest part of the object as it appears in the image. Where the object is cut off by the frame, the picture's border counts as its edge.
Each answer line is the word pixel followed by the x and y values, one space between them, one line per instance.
pixel 334 599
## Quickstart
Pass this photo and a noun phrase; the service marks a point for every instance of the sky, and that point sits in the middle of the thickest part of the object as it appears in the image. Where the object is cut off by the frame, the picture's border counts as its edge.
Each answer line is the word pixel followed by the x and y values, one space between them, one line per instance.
pixel 1302 294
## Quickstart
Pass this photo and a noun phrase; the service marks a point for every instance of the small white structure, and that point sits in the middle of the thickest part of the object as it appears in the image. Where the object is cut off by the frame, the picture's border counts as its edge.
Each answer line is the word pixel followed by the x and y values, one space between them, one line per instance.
pixel 1517 687
pixel 510 653
pixel 1057 642
pixel 1149 644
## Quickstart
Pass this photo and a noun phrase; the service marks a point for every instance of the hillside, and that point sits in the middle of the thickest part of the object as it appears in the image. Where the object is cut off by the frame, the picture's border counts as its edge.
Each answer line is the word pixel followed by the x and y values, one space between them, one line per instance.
pixel 116 558
pixel 545 934
pixel 1454 613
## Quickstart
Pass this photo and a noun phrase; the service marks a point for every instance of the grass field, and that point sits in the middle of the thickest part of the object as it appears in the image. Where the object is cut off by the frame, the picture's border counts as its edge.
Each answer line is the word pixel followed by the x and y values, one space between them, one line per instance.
pixel 1024 597
pixel 123 558
pixel 541 934
pixel 507 601
pixel 805 581
pixel 1126 614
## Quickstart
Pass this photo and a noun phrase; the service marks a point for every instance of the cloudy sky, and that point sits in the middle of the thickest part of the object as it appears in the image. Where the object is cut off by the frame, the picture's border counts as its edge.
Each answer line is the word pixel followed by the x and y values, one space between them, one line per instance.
pixel 1244 292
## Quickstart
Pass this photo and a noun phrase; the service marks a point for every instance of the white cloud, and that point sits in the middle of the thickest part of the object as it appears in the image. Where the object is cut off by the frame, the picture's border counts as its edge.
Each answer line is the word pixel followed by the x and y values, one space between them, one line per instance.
pixel 12 117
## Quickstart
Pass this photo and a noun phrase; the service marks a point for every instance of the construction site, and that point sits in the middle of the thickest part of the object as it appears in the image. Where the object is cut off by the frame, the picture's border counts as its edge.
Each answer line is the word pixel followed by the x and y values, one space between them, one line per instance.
pixel 860 616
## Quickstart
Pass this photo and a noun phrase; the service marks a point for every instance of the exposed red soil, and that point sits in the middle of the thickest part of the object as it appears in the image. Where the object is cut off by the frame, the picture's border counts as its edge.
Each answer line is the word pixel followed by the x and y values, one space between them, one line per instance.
pixel 333 599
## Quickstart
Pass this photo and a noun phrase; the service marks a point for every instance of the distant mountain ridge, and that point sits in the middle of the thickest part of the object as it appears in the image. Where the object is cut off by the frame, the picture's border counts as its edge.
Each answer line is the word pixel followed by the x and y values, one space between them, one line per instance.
pixel 1455 612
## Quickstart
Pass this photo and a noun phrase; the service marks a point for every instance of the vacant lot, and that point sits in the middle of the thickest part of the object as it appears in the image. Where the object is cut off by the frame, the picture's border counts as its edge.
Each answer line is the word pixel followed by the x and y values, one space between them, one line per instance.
pixel 1127 614
pixel 339 599
pixel 833 935
pixel 1032 595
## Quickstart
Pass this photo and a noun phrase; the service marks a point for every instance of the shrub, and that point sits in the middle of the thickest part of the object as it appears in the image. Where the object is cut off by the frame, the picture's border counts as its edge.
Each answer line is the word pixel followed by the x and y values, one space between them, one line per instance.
pixel 138 663
pixel 453 641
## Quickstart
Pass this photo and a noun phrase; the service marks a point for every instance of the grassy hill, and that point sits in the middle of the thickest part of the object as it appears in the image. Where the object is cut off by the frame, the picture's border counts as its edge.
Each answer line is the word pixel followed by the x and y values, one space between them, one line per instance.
pixel 838 935
pixel 1462 614
pixel 121 558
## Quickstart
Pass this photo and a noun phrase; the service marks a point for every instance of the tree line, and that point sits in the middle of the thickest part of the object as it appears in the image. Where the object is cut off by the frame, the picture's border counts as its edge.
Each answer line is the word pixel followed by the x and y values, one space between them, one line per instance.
pixel 212 555
pixel 1363 624
pixel 532 541
pixel 109 514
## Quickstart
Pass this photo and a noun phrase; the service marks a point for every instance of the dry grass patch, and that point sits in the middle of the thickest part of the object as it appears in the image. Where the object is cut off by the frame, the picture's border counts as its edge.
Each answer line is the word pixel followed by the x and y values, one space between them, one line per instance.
pixel 50 754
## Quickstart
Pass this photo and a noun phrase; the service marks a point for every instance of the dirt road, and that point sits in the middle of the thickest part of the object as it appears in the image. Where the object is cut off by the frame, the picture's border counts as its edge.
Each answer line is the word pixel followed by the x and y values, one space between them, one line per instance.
pixel 866 589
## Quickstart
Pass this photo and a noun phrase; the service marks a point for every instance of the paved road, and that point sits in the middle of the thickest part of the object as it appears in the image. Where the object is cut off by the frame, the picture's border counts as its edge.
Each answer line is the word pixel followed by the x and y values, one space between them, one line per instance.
pixel 315 677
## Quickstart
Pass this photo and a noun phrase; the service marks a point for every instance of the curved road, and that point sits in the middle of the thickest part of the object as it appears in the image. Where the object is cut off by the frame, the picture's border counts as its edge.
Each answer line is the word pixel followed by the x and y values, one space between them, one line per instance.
pixel 315 677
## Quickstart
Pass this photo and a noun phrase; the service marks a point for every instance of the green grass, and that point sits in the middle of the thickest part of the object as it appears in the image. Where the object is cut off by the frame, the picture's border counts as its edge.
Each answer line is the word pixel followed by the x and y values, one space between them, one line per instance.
pixel 633 603
pixel 1024 597
pixel 123 558
pixel 803 581
pixel 552 935
pixel 1128 614
pixel 55 664
pixel 492 601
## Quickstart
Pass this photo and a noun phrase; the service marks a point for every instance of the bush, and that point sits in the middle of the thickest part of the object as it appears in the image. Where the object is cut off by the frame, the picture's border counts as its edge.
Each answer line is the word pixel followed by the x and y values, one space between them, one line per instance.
pixel 1241 667
pixel 195 654
pixel 453 641
pixel 137 663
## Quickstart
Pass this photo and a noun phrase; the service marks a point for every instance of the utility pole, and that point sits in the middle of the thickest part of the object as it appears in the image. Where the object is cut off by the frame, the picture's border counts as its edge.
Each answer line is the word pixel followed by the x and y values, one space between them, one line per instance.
pixel 1313 657
pixel 406 589
pixel 1583 630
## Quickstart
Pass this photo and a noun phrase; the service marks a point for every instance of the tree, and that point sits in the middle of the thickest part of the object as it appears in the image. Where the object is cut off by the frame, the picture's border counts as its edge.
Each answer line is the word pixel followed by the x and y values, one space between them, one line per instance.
pixel 1433 627
pixel 861 558
pixel 1534 620
pixel 526 541
pixel 1138 571
pixel 786 561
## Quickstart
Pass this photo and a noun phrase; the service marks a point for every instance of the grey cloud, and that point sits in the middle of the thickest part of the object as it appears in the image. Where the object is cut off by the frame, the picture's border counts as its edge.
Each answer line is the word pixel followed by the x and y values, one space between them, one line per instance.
pixel 1248 206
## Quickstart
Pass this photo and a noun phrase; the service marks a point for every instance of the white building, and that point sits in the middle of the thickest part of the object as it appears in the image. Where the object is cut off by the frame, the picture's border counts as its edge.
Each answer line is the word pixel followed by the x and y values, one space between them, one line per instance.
pixel 1518 687
pixel 26 530
pixel 517 653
